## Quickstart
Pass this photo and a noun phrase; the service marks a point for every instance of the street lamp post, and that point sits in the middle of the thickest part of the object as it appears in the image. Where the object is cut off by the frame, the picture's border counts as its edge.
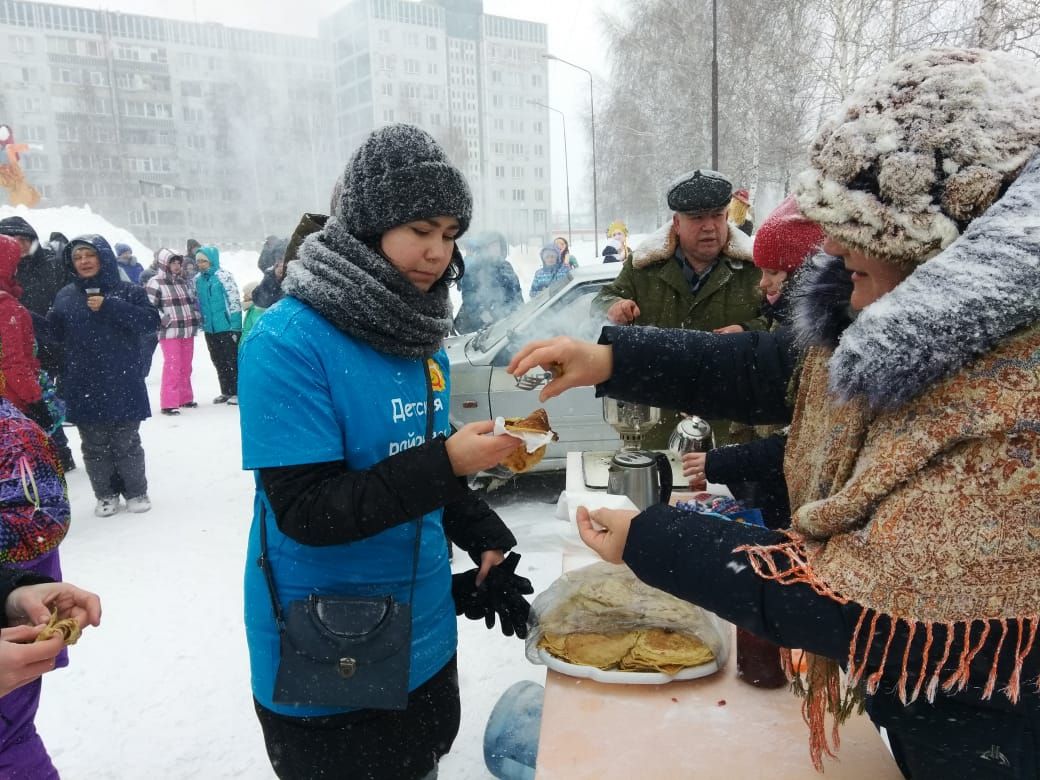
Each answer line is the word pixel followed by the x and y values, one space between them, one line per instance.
pixel 592 115
pixel 714 86
pixel 566 164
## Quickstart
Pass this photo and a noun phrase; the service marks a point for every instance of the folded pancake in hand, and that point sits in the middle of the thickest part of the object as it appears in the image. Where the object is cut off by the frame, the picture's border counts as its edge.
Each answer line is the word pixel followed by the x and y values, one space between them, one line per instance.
pixel 68 629
pixel 520 459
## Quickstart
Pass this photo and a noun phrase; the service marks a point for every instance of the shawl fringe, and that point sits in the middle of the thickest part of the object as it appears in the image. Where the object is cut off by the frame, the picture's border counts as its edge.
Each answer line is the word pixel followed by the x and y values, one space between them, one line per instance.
pixel 826 691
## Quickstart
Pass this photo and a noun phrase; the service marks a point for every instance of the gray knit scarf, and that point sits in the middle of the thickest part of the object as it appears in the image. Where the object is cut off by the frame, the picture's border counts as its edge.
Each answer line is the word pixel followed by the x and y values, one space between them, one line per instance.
pixel 362 294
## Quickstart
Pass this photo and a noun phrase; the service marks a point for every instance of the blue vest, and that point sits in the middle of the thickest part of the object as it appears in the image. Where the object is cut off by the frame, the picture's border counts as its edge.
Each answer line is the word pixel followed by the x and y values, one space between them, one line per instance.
pixel 309 394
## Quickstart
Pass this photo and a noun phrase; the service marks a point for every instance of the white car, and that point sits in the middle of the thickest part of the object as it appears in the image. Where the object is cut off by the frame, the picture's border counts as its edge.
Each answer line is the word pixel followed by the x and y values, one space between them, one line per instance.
pixel 481 388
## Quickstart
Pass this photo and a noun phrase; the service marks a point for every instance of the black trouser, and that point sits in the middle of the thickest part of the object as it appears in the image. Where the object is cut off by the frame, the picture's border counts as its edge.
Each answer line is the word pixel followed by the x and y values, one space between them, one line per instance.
pixel 369 744
pixel 114 458
pixel 223 351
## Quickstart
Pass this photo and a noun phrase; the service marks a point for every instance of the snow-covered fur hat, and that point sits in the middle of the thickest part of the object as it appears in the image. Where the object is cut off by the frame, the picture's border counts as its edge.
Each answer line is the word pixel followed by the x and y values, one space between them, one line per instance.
pixel 400 174
pixel 924 148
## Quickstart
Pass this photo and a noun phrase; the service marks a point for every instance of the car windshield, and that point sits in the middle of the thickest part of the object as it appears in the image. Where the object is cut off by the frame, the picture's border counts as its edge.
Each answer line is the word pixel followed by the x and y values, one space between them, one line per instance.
pixel 497 331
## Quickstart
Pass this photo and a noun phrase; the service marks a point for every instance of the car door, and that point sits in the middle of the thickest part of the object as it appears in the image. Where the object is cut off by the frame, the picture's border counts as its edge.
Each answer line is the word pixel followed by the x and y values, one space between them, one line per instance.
pixel 577 415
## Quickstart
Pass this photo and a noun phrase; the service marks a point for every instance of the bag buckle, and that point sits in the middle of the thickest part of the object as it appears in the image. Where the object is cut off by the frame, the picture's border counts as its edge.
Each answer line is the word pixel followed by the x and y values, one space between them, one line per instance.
pixel 346 667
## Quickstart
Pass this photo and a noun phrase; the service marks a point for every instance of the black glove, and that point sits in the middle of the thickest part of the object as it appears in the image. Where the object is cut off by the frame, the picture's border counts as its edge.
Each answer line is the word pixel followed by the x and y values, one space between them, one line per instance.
pixel 501 593
pixel 40 414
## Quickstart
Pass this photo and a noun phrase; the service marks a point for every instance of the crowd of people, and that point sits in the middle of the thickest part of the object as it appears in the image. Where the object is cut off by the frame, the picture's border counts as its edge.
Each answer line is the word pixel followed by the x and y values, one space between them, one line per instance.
pixel 884 323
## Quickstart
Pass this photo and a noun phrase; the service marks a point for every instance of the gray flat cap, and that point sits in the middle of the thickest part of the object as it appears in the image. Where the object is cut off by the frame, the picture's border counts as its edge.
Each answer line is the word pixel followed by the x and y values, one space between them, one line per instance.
pixel 699 191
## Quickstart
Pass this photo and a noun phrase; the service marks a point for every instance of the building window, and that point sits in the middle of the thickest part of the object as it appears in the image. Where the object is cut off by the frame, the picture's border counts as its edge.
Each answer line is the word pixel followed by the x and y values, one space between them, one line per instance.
pixel 539 196
pixel 432 69
pixel 537 128
pixel 388 115
pixel 431 43
pixel 500 171
pixel 388 89
pixel 384 36
pixel 411 67
pixel 518 196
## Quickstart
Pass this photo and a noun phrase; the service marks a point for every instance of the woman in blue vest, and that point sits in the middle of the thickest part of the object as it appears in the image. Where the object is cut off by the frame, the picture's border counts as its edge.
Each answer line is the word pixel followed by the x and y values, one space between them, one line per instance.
pixel 345 464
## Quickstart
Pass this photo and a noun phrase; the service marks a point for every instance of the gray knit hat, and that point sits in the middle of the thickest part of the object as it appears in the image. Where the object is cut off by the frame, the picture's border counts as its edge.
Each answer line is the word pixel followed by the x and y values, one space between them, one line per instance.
pixel 398 175
pixel 921 150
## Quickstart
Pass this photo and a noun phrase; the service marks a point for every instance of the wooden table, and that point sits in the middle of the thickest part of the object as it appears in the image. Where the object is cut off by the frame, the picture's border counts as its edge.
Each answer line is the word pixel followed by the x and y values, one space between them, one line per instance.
pixel 713 727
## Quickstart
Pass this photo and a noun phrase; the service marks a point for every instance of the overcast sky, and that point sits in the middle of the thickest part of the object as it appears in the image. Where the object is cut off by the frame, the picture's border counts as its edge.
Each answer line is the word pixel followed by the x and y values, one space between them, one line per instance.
pixel 574 34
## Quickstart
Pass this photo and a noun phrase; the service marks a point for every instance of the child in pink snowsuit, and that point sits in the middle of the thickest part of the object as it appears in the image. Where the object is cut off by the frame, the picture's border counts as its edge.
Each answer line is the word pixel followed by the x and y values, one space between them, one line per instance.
pixel 171 295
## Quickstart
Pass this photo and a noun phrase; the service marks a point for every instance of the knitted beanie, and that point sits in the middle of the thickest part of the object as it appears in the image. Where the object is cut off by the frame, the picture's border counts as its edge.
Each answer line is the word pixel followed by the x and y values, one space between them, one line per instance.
pixel 17 227
pixel 615 226
pixel 786 238
pixel 921 150
pixel 400 174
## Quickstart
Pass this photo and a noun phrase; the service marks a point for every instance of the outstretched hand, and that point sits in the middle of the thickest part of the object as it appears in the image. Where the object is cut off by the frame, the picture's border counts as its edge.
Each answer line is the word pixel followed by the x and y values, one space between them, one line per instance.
pixel 471 451
pixel 573 363
pixel 605 531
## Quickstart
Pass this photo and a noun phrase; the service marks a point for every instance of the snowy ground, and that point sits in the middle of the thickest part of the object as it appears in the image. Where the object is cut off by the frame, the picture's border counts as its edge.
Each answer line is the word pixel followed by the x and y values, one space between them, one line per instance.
pixel 161 689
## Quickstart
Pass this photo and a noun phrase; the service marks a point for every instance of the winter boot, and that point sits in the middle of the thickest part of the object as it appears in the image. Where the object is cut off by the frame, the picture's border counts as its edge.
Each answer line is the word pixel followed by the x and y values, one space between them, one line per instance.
pixel 171 412
pixel 138 504
pixel 221 399
pixel 232 400
pixel 189 405
pixel 107 506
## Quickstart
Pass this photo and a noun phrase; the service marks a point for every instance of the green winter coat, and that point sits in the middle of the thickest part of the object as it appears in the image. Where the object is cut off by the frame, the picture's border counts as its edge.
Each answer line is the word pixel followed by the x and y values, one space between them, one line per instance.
pixel 655 282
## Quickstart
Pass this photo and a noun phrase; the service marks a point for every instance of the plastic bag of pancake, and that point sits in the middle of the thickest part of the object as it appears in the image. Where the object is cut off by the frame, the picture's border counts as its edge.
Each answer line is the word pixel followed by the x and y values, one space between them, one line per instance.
pixel 603 616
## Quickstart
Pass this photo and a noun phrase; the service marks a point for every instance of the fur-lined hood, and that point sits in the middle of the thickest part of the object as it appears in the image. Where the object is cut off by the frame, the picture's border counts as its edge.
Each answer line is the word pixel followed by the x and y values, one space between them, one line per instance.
pixel 660 245
pixel 952 309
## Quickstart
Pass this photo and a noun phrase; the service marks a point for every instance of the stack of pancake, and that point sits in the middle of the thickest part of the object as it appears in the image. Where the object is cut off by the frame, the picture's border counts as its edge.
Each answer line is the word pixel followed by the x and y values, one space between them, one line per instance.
pixel 649 650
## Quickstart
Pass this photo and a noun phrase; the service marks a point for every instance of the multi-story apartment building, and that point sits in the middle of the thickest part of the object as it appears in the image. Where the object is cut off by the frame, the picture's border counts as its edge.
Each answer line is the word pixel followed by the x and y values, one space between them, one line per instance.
pixel 180 129
pixel 467 77
pixel 174 129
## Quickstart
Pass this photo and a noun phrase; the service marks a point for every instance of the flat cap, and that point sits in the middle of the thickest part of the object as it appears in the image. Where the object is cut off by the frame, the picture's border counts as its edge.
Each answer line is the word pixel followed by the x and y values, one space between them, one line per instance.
pixel 698 191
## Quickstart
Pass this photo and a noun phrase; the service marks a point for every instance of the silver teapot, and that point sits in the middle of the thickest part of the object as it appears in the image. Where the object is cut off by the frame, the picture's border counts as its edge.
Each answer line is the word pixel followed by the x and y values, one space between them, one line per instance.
pixel 692 434
pixel 645 477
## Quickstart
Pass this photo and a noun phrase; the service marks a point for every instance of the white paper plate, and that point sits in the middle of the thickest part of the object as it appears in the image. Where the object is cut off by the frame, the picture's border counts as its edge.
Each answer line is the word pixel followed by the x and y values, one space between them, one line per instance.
pixel 627 678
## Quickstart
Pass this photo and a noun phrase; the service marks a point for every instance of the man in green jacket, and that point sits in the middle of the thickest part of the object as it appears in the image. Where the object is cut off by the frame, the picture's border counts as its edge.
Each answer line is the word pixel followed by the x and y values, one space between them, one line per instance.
pixel 694 273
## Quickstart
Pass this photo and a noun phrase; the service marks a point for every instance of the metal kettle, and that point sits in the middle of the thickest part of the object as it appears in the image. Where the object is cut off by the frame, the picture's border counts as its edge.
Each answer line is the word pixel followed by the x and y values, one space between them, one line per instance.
pixel 645 477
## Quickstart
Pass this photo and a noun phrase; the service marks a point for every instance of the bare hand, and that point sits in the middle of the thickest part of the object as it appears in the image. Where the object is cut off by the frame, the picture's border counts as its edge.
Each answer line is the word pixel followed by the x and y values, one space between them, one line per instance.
pixel 21 661
pixel 94 302
pixel 693 464
pixel 573 363
pixel 623 312
pixel 32 604
pixel 471 451
pixel 729 329
pixel 609 541
pixel 489 558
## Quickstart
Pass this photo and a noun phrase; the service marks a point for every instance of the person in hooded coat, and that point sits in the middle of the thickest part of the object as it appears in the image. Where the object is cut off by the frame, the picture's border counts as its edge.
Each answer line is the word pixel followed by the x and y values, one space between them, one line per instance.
pixel 913 459
pixel 490 287
pixel 101 320
pixel 220 307
pixel 358 473
pixel 128 263
pixel 40 276
pixel 171 295
pixel 553 268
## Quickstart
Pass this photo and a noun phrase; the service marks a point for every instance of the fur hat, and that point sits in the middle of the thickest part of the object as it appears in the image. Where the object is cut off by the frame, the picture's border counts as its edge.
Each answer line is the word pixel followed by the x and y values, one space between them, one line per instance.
pixel 921 150
pixel 400 174
pixel 785 238
pixel 616 226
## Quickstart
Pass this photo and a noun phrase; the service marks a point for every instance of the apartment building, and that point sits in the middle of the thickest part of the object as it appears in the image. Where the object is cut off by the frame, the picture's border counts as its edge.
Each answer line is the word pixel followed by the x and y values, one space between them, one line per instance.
pixel 175 129
pixel 467 77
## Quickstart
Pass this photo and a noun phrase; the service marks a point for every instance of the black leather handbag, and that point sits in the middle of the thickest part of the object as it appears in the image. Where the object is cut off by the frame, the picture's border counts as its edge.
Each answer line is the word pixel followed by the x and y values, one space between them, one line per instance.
pixel 345 651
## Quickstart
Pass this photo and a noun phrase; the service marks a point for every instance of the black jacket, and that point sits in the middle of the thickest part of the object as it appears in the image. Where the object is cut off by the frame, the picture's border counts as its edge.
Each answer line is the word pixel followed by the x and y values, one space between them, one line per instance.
pixel 759 466
pixel 326 503
pixel 269 291
pixel 40 275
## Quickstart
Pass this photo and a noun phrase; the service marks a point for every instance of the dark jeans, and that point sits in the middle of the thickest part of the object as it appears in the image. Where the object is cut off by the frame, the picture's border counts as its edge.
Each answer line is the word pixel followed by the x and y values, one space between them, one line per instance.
pixel 223 352
pixel 369 744
pixel 113 451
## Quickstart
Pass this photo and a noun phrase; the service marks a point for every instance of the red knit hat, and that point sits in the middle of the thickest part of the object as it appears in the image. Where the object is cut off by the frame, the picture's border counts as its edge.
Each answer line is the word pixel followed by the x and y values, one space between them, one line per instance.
pixel 743 196
pixel 786 238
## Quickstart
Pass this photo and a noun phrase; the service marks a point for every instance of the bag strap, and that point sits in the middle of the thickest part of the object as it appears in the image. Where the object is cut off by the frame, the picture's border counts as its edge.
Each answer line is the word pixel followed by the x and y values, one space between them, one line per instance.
pixel 264 560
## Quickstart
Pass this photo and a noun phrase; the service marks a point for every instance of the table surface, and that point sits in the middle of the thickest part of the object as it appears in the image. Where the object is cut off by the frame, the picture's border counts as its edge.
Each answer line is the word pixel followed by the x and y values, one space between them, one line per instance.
pixel 713 727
